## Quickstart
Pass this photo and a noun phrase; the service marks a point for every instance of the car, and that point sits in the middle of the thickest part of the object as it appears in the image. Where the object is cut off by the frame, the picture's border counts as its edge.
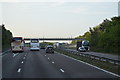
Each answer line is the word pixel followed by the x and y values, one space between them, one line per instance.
pixel 82 49
pixel 49 49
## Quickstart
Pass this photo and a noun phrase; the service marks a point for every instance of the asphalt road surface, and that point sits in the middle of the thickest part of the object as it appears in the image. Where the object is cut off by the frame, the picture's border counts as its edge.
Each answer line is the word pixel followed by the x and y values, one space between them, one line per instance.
pixel 38 64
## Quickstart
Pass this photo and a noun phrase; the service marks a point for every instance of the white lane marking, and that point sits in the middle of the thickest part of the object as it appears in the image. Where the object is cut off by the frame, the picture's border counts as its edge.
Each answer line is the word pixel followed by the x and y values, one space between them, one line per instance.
pixel 62 70
pixel 45 55
pixel 26 54
pixel 23 57
pixel 91 65
pixel 53 62
pixel 1 54
pixel 19 70
pixel 22 62
pixel 4 54
pixel 14 54
pixel 48 58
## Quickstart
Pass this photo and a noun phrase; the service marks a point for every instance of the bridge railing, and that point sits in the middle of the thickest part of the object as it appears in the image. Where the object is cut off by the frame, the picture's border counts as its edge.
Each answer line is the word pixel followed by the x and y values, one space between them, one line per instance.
pixel 55 38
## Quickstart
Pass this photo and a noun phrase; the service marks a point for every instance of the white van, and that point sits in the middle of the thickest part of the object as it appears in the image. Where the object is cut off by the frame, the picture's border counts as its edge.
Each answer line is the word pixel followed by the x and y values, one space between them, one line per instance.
pixel 34 44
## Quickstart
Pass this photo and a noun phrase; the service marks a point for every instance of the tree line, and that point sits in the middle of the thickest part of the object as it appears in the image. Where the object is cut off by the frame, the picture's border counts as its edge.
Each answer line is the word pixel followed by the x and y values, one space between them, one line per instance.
pixel 104 37
pixel 6 37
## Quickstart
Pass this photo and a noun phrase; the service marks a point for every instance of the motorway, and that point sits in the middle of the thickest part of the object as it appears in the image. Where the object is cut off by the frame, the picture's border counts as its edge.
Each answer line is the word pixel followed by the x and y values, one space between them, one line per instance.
pixel 38 64
pixel 106 55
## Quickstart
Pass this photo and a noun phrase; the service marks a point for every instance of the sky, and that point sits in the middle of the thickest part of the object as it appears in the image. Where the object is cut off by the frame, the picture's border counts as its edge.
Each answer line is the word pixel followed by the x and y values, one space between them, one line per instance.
pixel 54 19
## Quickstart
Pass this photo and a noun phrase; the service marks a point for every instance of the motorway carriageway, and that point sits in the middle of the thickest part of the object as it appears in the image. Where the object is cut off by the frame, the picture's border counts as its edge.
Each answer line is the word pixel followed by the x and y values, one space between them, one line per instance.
pixel 38 64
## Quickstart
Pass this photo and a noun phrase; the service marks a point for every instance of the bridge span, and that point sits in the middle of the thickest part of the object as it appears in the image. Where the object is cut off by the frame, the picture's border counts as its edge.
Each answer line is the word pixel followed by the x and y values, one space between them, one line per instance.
pixel 55 39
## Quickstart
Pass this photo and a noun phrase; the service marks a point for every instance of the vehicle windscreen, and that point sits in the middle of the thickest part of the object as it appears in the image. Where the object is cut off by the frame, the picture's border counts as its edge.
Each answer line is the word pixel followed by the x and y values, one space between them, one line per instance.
pixel 35 41
pixel 85 43
pixel 16 39
pixel 82 48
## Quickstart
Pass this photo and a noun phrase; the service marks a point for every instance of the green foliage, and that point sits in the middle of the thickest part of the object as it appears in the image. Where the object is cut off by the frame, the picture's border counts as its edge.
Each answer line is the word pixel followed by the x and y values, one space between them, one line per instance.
pixel 105 37
pixel 47 43
pixel 6 37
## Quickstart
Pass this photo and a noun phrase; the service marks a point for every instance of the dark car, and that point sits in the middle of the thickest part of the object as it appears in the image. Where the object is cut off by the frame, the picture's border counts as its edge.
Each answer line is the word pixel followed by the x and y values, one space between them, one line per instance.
pixel 49 49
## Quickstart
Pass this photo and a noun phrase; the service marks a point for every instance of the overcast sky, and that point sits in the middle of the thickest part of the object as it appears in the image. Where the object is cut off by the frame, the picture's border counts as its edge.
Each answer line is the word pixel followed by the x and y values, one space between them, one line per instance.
pixel 55 19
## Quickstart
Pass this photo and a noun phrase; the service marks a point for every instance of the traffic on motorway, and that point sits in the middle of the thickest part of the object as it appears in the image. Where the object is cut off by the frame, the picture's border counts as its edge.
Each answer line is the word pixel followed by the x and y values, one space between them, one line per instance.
pixel 33 62
pixel 18 43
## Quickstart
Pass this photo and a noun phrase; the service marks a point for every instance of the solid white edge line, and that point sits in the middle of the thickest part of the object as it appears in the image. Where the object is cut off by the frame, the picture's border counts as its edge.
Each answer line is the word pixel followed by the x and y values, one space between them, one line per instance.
pixel 62 70
pixel 19 69
pixel 91 65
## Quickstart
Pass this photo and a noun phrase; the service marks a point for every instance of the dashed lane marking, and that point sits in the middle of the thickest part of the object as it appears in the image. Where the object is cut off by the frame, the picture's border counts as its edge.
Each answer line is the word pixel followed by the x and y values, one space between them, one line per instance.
pixel 23 57
pixel 22 62
pixel 62 70
pixel 19 70
pixel 91 65
pixel 53 62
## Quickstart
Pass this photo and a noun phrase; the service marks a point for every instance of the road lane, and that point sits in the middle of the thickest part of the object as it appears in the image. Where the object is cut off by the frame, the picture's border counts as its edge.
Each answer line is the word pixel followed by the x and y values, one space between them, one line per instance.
pixel 10 65
pixel 38 66
pixel 77 69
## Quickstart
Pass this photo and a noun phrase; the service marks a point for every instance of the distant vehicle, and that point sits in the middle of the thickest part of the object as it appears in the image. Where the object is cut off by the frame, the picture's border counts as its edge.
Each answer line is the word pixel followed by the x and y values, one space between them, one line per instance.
pixel 81 49
pixel 84 44
pixel 49 49
pixel 34 44
pixel 17 44
pixel 79 44
pixel 57 45
pixel 42 46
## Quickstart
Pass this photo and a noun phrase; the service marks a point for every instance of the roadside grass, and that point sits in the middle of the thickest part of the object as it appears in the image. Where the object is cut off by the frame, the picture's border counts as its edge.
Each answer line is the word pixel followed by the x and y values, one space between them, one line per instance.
pixel 101 64
pixel 108 51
